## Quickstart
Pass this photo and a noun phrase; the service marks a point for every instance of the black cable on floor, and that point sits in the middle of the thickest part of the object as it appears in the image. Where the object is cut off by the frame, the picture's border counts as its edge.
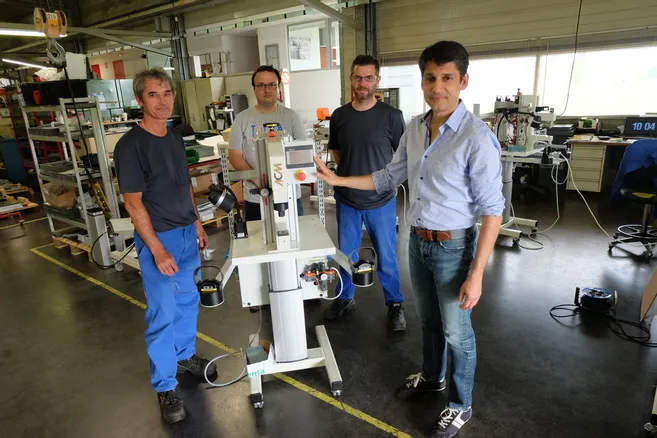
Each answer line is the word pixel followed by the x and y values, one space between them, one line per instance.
pixel 617 326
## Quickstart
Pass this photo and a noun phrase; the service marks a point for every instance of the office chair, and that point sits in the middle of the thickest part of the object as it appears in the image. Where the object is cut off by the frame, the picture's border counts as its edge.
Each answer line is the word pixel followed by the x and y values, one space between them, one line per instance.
pixel 637 181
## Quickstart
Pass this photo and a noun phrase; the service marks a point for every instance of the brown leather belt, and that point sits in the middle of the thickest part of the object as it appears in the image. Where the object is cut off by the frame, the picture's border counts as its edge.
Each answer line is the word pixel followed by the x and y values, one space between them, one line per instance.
pixel 440 236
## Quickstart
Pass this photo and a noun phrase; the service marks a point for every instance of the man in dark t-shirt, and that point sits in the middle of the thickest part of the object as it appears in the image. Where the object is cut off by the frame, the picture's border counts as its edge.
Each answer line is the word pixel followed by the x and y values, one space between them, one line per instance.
pixel 151 167
pixel 363 137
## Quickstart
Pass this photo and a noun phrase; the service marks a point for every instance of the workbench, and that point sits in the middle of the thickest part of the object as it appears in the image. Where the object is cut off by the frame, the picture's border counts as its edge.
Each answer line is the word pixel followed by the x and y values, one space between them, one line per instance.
pixel 588 160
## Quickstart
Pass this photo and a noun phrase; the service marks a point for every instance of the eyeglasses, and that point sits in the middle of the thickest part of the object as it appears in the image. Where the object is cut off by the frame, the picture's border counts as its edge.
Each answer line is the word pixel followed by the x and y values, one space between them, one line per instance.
pixel 265 86
pixel 365 78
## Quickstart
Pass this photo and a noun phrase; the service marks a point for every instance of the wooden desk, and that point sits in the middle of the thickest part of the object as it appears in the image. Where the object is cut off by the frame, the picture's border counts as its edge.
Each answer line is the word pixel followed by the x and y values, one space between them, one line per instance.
pixel 587 162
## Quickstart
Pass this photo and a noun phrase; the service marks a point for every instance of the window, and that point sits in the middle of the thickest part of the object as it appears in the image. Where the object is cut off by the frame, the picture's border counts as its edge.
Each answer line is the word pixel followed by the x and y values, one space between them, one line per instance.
pixel 606 82
pixel 409 82
pixel 621 81
pixel 492 77
pixel 314 45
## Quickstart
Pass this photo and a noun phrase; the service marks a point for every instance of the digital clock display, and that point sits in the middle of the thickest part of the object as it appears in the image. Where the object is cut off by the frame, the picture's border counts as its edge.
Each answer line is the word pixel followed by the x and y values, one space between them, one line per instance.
pixel 641 127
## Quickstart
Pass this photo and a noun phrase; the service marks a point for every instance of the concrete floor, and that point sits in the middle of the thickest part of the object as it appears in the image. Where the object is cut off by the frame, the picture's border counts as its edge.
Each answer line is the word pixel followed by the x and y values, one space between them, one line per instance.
pixel 73 361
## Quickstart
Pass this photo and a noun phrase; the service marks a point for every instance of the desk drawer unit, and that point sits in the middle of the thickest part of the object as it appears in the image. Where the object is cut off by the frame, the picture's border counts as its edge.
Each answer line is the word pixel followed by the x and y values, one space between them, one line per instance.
pixel 587 165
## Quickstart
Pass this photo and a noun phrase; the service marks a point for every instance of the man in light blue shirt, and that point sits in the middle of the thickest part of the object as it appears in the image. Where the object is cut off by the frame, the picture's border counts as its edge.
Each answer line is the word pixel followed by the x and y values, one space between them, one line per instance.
pixel 452 162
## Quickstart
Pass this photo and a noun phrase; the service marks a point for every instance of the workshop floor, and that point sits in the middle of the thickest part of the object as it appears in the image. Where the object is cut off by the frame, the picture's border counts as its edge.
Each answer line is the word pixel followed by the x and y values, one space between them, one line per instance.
pixel 73 362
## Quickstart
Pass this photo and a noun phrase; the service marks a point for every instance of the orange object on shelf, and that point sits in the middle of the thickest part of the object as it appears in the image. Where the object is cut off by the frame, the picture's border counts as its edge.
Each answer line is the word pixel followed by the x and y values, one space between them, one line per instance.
pixel 323 114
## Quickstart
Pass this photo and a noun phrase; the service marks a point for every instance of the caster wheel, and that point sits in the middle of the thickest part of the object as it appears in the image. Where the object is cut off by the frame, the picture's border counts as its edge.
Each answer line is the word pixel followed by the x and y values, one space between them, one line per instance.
pixel 257 401
pixel 119 267
pixel 397 228
pixel 21 222
pixel 254 309
pixel 647 255
pixel 516 242
pixel 337 393
pixel 615 235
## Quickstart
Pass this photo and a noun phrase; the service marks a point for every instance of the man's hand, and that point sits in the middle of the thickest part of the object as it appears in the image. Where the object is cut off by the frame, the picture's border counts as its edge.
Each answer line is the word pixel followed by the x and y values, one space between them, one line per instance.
pixel 325 174
pixel 165 262
pixel 202 236
pixel 470 293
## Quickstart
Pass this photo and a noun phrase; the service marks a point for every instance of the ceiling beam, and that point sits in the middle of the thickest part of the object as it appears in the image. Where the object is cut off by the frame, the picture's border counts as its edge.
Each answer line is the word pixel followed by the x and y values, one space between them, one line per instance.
pixel 342 18
pixel 81 30
pixel 101 34
pixel 124 32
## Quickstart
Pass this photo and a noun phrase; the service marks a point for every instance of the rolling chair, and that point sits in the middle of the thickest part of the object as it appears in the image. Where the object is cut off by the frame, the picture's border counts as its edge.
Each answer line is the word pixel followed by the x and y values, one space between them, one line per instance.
pixel 637 181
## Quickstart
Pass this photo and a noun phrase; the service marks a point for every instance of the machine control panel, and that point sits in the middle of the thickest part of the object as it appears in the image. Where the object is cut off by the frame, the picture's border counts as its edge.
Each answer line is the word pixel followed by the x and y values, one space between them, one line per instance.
pixel 299 162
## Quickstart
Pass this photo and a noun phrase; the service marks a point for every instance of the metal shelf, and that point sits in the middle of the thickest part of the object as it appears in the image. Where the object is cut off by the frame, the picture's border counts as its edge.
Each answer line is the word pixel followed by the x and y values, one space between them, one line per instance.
pixel 59 138
pixel 57 108
pixel 74 222
pixel 65 182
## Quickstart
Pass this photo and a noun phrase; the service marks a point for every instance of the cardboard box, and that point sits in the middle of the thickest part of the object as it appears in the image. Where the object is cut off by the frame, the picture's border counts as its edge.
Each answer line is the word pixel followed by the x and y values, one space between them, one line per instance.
pixel 111 139
pixel 202 182
pixel 59 196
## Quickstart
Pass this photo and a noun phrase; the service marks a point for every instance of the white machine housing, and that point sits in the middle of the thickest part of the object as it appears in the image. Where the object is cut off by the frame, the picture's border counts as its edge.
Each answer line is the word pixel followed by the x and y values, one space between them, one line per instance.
pixel 520 135
pixel 276 257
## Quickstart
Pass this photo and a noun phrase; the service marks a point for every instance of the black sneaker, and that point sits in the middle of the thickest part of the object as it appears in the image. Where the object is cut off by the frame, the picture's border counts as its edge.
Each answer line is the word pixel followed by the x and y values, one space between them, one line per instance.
pixel 450 422
pixel 171 407
pixel 339 308
pixel 416 384
pixel 396 319
pixel 196 365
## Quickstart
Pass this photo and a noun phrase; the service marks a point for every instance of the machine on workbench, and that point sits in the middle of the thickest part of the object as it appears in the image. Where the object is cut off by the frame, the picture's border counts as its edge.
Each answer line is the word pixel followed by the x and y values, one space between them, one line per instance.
pixel 521 124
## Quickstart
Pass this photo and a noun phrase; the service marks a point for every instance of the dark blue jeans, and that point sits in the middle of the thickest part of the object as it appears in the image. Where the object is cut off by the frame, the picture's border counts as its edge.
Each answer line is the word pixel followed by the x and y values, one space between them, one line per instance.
pixel 381 226
pixel 438 270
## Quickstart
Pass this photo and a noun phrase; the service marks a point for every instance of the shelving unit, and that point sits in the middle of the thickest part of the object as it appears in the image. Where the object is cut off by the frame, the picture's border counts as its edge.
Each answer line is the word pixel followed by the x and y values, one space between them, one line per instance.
pixel 66 139
pixel 46 151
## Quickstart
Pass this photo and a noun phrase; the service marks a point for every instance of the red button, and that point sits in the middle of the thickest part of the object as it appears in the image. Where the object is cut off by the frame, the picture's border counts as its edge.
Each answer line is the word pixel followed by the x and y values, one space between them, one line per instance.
pixel 301 175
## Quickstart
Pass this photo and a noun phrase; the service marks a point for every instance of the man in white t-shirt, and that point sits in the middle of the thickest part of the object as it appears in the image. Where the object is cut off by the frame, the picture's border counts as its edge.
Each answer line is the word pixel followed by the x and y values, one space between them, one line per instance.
pixel 250 122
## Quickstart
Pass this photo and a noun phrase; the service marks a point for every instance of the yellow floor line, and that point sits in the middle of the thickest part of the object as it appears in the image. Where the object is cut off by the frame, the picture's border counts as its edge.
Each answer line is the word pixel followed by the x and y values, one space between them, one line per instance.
pixel 295 383
pixel 24 223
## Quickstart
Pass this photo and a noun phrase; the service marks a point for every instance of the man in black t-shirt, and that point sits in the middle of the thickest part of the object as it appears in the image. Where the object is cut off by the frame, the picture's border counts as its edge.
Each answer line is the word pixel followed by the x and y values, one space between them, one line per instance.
pixel 363 137
pixel 151 167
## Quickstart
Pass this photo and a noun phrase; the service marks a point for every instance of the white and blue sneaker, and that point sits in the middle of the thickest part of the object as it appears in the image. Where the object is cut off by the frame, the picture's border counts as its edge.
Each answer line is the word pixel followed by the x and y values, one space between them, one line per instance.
pixel 450 422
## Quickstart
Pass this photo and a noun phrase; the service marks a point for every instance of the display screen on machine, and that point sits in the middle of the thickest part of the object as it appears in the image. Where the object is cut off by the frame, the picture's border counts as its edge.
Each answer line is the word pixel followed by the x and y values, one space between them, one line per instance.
pixel 299 157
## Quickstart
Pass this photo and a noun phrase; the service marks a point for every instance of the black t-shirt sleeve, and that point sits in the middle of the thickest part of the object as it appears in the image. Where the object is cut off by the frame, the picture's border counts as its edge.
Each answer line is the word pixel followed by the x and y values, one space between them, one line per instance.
pixel 333 143
pixel 398 127
pixel 129 171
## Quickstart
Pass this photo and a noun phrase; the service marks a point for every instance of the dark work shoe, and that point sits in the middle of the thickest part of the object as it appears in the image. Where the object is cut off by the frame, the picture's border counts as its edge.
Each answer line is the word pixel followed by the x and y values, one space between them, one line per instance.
pixel 396 319
pixel 416 384
pixel 196 365
pixel 450 422
pixel 339 308
pixel 171 407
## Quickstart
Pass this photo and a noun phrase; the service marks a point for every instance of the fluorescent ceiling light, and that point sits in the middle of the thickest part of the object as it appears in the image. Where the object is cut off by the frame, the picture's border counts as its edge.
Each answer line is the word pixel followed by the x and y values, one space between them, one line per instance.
pixel 24 32
pixel 15 61
pixel 21 32
pixel 169 68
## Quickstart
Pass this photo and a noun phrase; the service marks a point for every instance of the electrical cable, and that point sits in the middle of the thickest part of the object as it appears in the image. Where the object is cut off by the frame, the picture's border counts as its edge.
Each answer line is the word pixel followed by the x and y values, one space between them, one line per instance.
pixel 241 352
pixel 101 266
pixel 341 286
pixel 572 68
pixel 572 180
pixel 614 324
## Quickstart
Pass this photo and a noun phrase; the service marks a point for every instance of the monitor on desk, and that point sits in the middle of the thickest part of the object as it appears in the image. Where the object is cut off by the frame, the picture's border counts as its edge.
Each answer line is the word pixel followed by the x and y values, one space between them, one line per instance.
pixel 640 127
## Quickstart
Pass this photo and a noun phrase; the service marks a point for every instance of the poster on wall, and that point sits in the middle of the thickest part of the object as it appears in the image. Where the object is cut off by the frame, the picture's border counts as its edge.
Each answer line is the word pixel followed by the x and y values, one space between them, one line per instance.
pixel 300 48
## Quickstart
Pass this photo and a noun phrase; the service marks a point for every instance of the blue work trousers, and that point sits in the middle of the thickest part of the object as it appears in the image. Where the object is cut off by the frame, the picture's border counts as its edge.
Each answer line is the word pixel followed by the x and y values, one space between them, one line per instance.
pixel 381 225
pixel 438 270
pixel 172 305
